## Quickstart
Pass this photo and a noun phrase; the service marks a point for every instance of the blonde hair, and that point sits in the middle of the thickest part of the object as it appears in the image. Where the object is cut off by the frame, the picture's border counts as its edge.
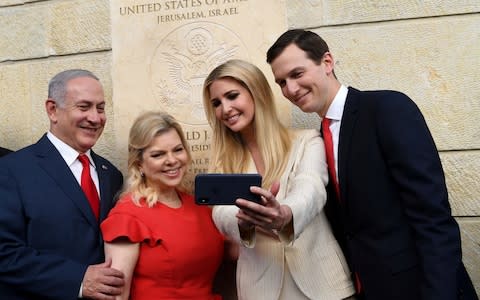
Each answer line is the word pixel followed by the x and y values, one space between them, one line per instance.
pixel 229 152
pixel 145 128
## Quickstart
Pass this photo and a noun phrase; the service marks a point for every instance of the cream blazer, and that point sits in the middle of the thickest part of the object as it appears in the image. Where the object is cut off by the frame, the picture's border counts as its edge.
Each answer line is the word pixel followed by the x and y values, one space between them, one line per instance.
pixel 314 257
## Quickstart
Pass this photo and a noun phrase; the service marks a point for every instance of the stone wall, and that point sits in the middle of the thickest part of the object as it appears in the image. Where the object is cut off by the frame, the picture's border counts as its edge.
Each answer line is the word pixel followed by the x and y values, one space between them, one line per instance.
pixel 426 49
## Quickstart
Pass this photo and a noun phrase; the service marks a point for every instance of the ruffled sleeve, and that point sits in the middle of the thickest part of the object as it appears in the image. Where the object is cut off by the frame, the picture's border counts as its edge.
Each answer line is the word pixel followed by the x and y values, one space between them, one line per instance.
pixel 123 222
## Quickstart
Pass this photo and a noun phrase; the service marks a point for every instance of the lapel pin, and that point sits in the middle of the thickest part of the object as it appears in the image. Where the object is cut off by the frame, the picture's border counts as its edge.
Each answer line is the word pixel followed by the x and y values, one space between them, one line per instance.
pixel 104 167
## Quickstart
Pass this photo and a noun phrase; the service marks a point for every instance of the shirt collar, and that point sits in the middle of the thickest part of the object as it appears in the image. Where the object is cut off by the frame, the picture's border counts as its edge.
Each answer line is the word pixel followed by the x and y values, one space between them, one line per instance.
pixel 68 154
pixel 335 110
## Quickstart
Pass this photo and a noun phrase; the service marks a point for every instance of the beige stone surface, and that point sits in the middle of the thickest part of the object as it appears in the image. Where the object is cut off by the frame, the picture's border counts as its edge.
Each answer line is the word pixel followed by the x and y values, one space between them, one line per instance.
pixel 434 61
pixel 24 32
pixel 79 26
pixel 15 106
pixel 319 13
pixel 54 28
pixel 4 3
pixel 463 181
pixel 470 232
pixel 10 2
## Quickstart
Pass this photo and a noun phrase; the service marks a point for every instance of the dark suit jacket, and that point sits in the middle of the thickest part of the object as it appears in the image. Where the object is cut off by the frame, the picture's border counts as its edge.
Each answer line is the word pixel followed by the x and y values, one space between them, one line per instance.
pixel 395 223
pixel 4 151
pixel 48 233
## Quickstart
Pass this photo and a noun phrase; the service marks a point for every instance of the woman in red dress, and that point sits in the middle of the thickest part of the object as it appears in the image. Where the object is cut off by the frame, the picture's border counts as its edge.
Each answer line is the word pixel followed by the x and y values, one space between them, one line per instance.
pixel 167 247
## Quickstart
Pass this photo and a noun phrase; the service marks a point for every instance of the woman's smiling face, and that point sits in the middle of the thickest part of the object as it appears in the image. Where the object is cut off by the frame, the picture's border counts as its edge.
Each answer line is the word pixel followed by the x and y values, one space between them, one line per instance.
pixel 164 161
pixel 233 104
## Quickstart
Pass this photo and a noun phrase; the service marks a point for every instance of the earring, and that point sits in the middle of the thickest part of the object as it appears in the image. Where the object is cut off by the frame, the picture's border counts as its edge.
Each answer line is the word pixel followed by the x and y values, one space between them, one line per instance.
pixel 141 174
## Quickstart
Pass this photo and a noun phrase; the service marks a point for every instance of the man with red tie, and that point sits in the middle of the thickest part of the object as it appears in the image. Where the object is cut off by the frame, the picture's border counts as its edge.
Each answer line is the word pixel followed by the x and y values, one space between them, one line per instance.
pixel 53 196
pixel 388 202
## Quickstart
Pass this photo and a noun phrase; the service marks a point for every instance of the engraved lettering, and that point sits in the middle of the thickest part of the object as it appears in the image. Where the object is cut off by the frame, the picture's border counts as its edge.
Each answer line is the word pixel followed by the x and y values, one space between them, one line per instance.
pixel 180 17
pixel 223 12
pixel 140 9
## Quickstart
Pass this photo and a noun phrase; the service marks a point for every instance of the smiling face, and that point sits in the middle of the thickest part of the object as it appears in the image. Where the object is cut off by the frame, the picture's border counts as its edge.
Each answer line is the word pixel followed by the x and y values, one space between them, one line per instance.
pixel 80 119
pixel 164 161
pixel 233 104
pixel 308 85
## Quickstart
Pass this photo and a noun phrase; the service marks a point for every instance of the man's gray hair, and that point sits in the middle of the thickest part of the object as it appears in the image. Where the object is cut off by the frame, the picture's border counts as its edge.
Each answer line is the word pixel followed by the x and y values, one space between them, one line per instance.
pixel 57 87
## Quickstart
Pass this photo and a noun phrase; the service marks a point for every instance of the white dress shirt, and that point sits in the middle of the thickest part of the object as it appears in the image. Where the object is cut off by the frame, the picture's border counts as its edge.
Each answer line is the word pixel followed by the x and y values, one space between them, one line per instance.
pixel 334 113
pixel 70 156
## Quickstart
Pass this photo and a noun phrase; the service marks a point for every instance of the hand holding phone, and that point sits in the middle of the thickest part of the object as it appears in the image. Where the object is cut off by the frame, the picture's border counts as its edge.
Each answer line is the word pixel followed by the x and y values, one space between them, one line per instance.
pixel 224 189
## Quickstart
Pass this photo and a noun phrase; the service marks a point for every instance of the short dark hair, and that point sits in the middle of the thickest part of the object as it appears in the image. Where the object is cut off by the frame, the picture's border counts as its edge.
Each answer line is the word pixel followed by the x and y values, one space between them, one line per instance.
pixel 310 42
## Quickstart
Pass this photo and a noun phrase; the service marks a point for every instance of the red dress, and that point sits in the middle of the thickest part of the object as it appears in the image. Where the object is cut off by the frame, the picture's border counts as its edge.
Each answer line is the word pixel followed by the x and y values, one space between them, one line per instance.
pixel 180 249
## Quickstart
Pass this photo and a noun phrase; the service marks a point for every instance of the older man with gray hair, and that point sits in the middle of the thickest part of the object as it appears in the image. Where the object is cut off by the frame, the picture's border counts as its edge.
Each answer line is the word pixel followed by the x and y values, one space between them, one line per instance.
pixel 53 196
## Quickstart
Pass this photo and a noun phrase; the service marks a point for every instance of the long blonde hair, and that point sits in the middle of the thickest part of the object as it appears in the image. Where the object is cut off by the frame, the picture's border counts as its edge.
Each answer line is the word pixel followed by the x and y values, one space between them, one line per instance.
pixel 145 128
pixel 229 152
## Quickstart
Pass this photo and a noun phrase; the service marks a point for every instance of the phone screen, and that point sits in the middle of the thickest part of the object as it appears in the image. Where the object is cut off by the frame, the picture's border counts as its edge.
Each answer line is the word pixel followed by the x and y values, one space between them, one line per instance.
pixel 224 189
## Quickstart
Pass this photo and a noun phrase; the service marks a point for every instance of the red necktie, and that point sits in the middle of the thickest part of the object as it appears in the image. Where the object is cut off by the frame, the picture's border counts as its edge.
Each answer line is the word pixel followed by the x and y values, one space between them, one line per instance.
pixel 327 139
pixel 88 186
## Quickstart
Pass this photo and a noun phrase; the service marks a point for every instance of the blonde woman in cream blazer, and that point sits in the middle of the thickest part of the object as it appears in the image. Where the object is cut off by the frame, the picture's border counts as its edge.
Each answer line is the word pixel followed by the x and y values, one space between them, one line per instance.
pixel 311 257
pixel 287 249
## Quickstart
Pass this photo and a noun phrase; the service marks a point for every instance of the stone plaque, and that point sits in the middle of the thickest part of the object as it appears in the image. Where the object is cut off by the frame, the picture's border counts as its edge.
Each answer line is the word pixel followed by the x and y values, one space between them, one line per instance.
pixel 163 51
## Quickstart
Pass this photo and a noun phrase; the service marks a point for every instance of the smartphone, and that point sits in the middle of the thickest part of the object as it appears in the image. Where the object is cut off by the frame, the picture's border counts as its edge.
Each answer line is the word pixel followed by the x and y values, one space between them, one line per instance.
pixel 224 189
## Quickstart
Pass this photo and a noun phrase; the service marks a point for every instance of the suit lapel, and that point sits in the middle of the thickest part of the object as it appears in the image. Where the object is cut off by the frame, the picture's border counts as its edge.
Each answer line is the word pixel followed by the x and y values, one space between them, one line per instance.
pixel 52 162
pixel 349 119
pixel 104 184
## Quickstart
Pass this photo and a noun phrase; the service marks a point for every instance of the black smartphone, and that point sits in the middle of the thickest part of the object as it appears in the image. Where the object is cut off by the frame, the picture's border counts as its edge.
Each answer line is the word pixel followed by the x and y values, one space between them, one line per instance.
pixel 224 189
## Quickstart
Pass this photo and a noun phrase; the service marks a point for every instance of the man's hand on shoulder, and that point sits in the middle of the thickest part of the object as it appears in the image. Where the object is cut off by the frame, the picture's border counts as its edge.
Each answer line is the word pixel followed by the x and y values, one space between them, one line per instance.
pixel 102 282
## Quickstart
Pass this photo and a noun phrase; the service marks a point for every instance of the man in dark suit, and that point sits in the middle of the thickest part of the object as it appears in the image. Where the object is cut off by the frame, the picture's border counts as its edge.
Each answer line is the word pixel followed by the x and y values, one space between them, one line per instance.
pixel 4 151
pixel 388 202
pixel 50 242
